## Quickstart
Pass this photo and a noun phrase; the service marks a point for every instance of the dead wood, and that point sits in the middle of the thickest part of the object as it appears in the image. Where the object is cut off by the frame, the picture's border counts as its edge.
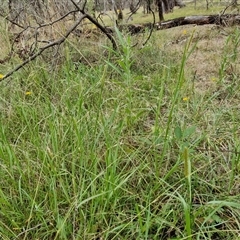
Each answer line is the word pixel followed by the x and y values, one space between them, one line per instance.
pixel 224 20
pixel 218 19
pixel 41 50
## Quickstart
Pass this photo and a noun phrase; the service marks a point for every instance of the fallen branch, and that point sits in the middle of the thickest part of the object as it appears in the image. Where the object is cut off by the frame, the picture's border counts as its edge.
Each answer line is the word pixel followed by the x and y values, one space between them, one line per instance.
pixel 41 50
pixel 37 52
pixel 224 20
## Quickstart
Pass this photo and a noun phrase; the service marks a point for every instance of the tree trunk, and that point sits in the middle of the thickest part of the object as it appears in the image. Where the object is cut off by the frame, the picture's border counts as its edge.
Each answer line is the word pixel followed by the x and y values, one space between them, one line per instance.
pixel 166 5
pixel 160 10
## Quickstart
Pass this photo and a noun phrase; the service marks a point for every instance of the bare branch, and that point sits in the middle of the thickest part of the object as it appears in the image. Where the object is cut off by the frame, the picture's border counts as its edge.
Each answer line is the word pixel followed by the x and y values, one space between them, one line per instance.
pixel 228 6
pixel 103 29
pixel 12 21
pixel 76 6
pixel 57 20
pixel 152 27
pixel 95 22
pixel 41 50
pixel 138 5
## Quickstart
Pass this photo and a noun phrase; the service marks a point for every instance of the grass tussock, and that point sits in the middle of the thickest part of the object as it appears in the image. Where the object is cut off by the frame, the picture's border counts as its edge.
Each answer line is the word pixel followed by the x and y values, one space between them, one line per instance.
pixel 140 144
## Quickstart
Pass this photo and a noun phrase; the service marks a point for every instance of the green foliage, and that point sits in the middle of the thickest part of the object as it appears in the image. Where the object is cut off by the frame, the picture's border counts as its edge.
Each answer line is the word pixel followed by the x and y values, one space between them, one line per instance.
pixel 121 149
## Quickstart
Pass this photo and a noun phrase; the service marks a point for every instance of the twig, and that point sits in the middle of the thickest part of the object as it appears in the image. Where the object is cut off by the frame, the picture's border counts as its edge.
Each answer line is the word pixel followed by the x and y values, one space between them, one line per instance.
pixel 41 50
pixel 228 6
pixel 57 20
pixel 12 21
pixel 95 22
pixel 152 27
pixel 138 5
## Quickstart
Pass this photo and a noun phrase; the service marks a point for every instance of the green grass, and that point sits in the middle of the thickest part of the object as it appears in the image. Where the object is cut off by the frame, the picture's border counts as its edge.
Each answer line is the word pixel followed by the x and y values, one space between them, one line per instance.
pixel 129 147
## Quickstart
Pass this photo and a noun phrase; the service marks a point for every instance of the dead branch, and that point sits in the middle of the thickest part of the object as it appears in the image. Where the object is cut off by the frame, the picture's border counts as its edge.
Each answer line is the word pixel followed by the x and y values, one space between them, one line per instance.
pixel 97 24
pixel 12 21
pixel 221 19
pixel 57 20
pixel 33 50
pixel 41 50
pixel 152 27
pixel 134 10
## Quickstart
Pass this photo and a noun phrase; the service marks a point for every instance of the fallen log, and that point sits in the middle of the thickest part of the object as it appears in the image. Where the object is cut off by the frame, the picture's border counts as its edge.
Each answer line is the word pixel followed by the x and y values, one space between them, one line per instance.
pixel 225 20
pixel 218 19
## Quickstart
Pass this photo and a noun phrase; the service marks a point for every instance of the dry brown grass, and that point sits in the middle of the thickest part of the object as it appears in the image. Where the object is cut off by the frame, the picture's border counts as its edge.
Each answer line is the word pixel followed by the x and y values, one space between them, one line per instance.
pixel 205 61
